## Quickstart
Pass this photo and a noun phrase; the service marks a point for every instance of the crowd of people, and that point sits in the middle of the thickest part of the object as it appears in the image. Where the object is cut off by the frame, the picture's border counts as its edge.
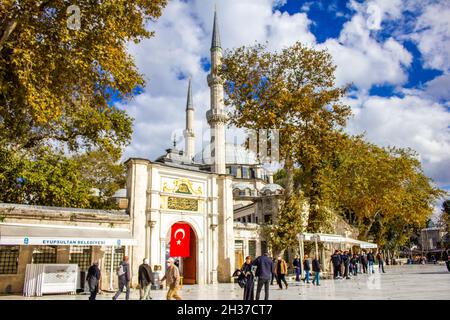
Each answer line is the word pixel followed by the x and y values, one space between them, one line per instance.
pixel 263 269
pixel 145 279
pixel 345 265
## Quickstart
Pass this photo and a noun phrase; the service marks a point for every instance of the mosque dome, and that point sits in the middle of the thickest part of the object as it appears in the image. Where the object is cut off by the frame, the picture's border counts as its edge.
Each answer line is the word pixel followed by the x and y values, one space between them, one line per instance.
pixel 272 188
pixel 234 154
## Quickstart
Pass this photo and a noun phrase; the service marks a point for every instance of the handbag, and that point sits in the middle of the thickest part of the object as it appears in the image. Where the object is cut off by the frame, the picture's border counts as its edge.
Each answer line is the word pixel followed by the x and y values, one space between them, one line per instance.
pixel 242 280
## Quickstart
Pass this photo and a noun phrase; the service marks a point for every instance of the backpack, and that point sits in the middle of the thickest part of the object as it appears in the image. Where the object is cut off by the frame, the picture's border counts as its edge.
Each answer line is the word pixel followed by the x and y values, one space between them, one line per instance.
pixel 120 270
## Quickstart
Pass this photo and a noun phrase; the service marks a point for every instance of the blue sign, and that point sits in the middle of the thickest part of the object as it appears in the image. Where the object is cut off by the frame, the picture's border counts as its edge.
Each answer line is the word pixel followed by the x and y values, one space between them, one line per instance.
pixel 26 240
pixel 118 243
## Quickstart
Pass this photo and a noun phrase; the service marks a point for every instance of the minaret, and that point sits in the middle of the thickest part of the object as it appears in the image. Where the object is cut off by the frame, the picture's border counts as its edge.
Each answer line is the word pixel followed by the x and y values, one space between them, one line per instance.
pixel 216 115
pixel 189 136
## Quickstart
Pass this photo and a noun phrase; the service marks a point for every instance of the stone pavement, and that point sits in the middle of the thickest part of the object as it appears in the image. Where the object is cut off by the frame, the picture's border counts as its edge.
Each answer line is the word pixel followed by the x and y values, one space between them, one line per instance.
pixel 430 282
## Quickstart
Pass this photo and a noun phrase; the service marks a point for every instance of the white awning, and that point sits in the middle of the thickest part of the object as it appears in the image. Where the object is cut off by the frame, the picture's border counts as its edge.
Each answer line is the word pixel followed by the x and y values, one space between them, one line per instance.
pixel 44 234
pixel 336 238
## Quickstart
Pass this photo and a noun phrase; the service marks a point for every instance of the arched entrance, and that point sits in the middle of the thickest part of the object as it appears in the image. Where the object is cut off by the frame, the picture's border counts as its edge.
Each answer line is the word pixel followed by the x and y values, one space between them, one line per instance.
pixel 187 265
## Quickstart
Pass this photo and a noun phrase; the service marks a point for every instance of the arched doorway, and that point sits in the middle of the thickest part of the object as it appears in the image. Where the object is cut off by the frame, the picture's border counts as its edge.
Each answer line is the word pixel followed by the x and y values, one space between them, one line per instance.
pixel 187 265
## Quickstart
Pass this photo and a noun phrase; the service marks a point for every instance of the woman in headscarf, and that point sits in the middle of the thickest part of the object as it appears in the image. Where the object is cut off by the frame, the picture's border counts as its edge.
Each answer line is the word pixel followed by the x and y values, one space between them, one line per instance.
pixel 249 279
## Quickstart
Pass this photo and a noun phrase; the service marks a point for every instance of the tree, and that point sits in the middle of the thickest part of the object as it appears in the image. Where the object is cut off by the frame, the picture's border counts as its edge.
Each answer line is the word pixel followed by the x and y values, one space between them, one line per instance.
pixel 56 82
pixel 293 91
pixel 383 191
pixel 283 233
pixel 54 179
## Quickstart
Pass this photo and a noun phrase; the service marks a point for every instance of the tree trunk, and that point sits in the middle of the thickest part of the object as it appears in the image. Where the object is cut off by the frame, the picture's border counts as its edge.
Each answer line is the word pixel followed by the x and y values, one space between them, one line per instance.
pixel 289 167
pixel 11 25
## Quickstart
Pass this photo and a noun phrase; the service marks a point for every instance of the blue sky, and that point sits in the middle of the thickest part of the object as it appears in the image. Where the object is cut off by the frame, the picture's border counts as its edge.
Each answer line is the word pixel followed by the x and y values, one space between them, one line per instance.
pixel 395 53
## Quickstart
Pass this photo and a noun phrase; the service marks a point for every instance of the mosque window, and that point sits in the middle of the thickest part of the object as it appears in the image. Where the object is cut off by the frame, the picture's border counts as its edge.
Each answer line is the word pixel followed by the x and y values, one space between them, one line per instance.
pixel 234 171
pixel 228 170
pixel 252 248
pixel 245 173
pixel 119 253
pixel 44 254
pixel 252 173
pixel 238 172
pixel 9 259
pixel 81 255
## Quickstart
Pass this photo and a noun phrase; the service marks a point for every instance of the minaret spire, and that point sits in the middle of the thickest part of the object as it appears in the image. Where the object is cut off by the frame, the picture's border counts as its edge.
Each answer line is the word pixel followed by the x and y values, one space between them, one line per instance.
pixel 215 43
pixel 189 103
pixel 189 136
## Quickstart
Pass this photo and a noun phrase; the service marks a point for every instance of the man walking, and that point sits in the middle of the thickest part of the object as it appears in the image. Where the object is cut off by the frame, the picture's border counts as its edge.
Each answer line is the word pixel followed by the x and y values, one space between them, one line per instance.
pixel 172 278
pixel 307 268
pixel 145 278
pixel 336 262
pixel 281 271
pixel 345 260
pixel 297 267
pixel 447 259
pixel 363 259
pixel 274 276
pixel 316 269
pixel 380 258
pixel 264 271
pixel 123 272
pixel 93 279
pixel 371 260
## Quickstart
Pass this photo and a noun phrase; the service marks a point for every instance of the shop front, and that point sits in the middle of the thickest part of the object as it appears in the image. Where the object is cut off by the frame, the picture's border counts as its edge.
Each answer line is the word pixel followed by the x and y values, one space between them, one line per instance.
pixel 26 244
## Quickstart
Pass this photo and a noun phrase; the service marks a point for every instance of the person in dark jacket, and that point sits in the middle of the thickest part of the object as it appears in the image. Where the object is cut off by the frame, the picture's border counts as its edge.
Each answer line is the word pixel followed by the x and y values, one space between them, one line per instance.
pixel 447 259
pixel 336 262
pixel 371 261
pixel 345 262
pixel 93 279
pixel 316 269
pixel 380 259
pixel 264 270
pixel 145 279
pixel 249 293
pixel 363 261
pixel 307 268
pixel 341 266
pixel 354 262
pixel 123 272
pixel 297 268
pixel 274 275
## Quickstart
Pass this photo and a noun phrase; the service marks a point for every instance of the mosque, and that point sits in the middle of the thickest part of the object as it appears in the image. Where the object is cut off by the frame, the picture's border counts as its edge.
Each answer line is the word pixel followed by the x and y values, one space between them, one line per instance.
pixel 222 193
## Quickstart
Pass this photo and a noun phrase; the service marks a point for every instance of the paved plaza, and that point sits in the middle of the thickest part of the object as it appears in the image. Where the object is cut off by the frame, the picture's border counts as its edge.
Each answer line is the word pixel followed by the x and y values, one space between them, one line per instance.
pixel 430 282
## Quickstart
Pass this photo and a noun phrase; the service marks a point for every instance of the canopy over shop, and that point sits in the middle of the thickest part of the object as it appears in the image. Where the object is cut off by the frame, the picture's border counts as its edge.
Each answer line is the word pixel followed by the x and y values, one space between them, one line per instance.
pixel 330 239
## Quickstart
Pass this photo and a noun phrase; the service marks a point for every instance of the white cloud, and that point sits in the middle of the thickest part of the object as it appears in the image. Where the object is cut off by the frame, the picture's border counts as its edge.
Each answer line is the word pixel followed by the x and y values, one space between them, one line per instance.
pixel 411 121
pixel 372 62
pixel 432 35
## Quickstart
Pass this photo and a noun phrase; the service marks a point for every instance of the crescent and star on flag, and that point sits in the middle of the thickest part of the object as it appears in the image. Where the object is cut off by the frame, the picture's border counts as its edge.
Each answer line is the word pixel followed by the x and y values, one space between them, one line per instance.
pixel 175 235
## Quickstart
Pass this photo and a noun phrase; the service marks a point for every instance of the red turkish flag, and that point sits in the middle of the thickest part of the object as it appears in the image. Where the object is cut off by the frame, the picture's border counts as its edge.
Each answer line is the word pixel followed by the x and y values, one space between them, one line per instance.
pixel 180 240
